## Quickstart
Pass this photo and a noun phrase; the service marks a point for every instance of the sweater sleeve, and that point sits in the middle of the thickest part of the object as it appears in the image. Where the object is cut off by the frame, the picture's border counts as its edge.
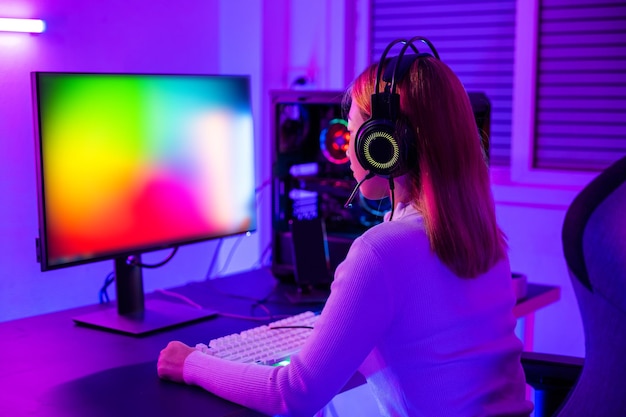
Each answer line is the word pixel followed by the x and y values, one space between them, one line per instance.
pixel 355 317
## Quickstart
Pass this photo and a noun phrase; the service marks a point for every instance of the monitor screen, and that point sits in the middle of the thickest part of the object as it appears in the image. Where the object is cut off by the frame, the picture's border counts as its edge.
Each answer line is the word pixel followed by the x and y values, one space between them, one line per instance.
pixel 129 163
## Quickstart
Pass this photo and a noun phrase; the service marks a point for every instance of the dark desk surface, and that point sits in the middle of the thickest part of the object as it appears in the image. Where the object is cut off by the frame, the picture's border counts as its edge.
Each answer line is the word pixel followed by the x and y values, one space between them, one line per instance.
pixel 51 367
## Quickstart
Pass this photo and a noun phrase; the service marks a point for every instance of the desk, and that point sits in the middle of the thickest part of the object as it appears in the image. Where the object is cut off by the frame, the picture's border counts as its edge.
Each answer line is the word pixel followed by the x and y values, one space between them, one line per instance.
pixel 49 367
pixel 537 297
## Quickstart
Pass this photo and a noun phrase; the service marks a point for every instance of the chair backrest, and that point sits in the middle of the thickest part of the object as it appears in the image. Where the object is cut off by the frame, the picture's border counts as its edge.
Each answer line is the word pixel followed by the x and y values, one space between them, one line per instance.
pixel 594 244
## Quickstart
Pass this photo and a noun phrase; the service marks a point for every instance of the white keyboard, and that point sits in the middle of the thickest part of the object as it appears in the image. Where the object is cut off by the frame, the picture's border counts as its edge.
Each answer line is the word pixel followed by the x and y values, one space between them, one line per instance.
pixel 271 344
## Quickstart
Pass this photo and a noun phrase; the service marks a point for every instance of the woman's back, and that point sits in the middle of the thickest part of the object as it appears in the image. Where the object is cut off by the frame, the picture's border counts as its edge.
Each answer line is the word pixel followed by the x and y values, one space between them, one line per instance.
pixel 448 347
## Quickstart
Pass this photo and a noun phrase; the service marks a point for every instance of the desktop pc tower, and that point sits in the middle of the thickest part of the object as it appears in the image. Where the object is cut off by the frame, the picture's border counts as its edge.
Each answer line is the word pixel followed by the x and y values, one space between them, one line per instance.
pixel 311 182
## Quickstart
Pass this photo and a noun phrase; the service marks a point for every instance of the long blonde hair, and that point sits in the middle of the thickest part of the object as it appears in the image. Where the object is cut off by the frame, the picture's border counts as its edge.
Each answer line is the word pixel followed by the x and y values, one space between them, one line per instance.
pixel 450 182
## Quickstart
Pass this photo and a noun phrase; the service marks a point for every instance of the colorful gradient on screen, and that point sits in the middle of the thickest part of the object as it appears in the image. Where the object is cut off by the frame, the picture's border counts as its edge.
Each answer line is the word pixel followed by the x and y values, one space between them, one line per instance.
pixel 133 162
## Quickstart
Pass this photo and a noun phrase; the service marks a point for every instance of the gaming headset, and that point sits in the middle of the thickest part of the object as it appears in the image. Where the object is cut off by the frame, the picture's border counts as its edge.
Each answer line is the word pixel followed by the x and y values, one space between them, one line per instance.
pixel 377 145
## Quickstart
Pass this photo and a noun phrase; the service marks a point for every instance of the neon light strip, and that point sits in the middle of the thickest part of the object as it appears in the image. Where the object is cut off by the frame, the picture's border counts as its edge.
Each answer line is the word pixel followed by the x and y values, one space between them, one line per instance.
pixel 22 25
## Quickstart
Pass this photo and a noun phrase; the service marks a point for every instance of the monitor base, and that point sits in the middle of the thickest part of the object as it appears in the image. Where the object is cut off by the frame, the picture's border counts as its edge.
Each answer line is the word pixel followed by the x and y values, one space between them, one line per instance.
pixel 157 315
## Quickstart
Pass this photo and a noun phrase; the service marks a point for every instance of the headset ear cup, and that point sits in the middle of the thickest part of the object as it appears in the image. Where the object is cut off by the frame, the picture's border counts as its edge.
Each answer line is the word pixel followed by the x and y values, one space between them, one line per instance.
pixel 377 149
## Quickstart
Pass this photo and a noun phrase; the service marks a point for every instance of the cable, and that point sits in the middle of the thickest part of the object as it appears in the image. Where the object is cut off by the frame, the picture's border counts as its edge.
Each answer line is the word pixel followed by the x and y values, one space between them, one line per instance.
pixel 235 245
pixel 135 261
pixel 260 262
pixel 291 327
pixel 254 318
pixel 231 253
pixel 181 297
pixel 392 187
pixel 192 303
pixel 378 211
pixel 257 301
pixel 264 184
pixel 103 294
pixel 216 252
pixel 266 251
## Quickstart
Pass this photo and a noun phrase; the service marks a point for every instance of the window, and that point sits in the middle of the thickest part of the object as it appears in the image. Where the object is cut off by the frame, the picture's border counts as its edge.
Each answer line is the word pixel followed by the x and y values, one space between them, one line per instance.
pixel 475 38
pixel 554 70
pixel 580 118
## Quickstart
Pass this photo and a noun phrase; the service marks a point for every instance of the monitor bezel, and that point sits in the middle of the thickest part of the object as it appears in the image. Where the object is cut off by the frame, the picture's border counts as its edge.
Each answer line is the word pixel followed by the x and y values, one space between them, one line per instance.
pixel 42 236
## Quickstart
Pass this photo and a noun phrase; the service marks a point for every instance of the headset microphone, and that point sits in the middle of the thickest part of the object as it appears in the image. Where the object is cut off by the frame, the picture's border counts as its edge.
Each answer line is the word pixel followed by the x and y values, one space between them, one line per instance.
pixel 356 189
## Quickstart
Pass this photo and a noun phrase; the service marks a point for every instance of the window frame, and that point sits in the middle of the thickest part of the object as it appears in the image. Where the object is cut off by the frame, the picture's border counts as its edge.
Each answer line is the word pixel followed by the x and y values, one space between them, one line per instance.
pixel 523 140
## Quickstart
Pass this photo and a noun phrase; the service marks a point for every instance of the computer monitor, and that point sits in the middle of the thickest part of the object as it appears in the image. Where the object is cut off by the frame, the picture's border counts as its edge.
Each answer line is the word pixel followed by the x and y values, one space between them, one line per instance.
pixel 132 163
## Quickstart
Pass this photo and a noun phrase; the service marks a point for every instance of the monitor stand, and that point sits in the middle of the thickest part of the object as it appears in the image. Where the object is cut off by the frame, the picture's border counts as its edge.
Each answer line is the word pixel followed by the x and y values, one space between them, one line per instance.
pixel 134 315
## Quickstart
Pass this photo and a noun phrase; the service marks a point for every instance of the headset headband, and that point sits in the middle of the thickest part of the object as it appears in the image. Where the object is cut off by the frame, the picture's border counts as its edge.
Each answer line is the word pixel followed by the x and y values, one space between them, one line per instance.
pixel 385 105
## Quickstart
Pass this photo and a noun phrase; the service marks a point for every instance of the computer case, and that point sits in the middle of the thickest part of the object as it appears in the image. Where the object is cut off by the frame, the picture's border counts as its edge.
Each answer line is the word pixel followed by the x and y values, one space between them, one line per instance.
pixel 311 174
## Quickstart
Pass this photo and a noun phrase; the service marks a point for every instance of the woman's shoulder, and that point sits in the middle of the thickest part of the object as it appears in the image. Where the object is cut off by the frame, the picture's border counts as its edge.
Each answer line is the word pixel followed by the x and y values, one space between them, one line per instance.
pixel 405 231
pixel 405 220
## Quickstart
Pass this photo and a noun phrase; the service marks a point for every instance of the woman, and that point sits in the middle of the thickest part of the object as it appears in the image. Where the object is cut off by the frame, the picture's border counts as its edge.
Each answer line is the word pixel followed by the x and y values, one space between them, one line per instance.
pixel 422 304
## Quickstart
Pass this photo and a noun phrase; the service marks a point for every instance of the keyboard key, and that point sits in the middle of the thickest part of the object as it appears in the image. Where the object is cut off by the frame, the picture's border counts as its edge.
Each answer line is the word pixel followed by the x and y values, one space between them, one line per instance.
pixel 265 345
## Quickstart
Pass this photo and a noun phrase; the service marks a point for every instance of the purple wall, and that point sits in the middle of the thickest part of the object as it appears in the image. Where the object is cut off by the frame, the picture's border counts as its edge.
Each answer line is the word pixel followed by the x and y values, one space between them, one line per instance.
pixel 116 35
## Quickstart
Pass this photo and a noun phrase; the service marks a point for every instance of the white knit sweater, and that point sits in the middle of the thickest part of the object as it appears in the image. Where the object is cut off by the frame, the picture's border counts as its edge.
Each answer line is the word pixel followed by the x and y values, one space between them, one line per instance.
pixel 428 343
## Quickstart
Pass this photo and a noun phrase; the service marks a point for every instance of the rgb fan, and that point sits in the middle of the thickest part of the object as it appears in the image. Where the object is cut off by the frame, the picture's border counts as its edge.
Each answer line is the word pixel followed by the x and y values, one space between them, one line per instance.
pixel 334 141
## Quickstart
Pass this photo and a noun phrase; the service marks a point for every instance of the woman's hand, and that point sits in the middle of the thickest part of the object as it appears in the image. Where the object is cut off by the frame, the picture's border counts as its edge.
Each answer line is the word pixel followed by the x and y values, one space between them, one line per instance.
pixel 171 361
